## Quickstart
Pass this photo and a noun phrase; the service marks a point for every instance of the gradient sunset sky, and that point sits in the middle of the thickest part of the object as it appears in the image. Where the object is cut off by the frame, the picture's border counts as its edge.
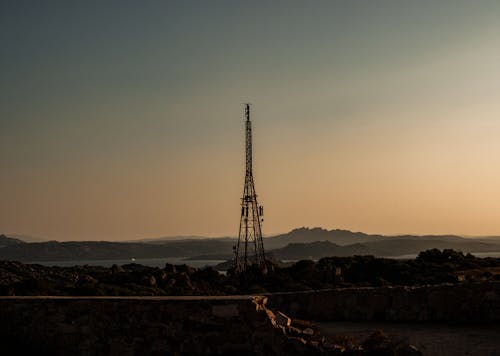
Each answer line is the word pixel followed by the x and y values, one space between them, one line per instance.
pixel 124 119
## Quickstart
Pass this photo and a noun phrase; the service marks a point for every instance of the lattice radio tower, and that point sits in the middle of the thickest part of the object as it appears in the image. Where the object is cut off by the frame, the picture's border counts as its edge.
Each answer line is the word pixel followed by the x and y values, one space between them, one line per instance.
pixel 250 248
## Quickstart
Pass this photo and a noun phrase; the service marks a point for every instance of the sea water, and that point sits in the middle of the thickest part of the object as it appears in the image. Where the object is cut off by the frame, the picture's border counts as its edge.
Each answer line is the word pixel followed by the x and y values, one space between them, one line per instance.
pixel 152 262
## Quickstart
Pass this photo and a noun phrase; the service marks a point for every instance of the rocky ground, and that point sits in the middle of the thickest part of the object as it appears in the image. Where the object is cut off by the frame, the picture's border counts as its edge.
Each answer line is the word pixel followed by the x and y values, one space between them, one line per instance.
pixel 430 267
pixel 132 279
pixel 301 336
pixel 305 337
pixel 430 339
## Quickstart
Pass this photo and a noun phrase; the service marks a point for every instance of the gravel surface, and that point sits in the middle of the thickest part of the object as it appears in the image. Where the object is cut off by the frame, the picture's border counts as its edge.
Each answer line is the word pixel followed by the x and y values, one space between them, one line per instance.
pixel 430 339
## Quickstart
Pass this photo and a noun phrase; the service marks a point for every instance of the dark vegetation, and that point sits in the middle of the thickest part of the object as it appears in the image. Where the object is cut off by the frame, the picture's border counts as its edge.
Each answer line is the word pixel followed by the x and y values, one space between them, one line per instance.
pixel 430 267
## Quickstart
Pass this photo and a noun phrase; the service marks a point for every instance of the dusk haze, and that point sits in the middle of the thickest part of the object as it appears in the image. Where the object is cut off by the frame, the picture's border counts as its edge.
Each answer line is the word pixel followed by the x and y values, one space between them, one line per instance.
pixel 251 178
pixel 123 120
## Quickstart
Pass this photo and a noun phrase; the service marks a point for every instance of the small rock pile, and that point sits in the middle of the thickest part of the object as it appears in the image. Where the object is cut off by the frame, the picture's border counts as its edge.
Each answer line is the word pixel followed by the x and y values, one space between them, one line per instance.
pixel 305 338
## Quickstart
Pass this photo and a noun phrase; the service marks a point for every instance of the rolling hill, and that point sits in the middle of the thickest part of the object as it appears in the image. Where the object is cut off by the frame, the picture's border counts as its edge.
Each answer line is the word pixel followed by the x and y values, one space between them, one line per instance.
pixel 302 243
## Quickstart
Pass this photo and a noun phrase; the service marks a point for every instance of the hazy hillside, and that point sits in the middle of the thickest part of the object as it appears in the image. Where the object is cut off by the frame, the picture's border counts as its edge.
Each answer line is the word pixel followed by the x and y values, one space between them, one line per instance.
pixel 27 238
pixel 8 241
pixel 397 246
pixel 302 243
pixel 392 247
pixel 163 239
pixel 96 250
pixel 305 235
pixel 319 249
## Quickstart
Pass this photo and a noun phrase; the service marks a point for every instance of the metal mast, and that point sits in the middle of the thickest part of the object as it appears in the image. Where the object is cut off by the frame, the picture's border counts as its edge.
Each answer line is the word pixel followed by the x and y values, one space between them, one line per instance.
pixel 250 248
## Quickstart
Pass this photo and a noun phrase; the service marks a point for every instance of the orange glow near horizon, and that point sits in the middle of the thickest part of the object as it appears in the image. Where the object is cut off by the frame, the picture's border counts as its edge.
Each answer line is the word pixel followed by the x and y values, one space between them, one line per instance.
pixel 377 119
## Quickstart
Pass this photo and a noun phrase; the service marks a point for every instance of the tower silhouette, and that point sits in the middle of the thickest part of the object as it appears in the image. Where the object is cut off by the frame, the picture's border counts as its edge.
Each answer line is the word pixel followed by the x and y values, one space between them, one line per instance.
pixel 250 248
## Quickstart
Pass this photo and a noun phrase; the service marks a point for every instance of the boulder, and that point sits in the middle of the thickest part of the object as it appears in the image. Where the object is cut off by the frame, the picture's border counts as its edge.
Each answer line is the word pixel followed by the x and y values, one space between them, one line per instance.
pixel 282 319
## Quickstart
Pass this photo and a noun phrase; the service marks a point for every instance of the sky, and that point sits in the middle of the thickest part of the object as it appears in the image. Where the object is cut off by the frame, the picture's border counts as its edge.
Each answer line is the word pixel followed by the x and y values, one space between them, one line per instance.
pixel 124 119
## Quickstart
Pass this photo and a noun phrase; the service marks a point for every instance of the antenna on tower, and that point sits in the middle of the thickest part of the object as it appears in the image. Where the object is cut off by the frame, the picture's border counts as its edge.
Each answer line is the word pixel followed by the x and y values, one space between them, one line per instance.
pixel 247 110
pixel 250 247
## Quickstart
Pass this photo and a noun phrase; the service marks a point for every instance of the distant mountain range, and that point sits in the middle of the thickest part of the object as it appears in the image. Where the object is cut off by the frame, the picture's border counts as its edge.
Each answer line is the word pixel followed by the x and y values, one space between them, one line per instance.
pixel 27 238
pixel 302 243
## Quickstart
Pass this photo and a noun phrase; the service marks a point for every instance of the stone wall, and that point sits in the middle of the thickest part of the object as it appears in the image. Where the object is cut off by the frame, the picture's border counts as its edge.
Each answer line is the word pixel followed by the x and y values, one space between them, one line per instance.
pixel 136 326
pixel 441 303
pixel 228 325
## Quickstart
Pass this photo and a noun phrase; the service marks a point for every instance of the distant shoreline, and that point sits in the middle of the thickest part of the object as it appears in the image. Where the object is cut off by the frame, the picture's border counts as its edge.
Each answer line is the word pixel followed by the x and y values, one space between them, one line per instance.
pixel 160 262
pixel 150 262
